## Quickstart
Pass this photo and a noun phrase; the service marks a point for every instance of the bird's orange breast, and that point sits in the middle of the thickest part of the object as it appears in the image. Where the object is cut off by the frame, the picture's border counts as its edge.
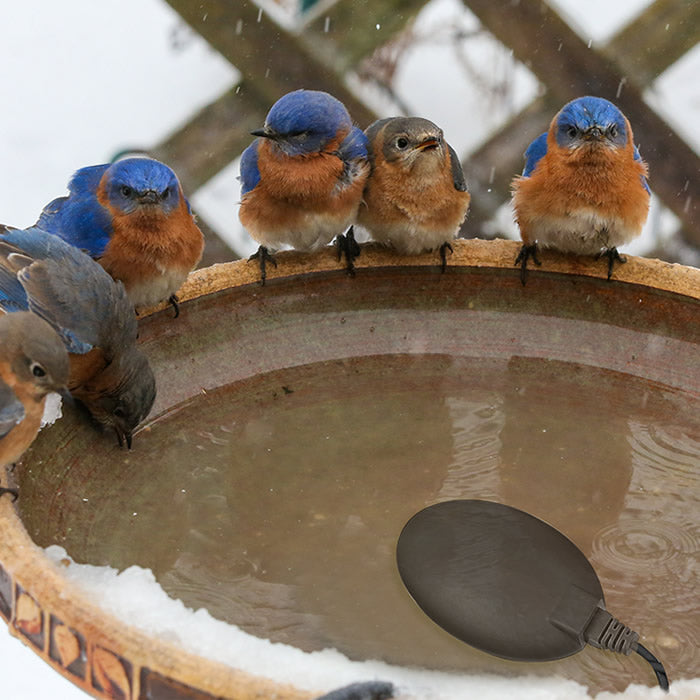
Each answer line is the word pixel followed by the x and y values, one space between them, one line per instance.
pixel 147 243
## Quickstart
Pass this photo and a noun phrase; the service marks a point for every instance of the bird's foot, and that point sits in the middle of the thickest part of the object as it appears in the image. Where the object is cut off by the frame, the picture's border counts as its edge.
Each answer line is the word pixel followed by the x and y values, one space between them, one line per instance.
pixel 13 492
pixel 173 300
pixel 526 252
pixel 348 246
pixel 613 256
pixel 443 254
pixel 262 255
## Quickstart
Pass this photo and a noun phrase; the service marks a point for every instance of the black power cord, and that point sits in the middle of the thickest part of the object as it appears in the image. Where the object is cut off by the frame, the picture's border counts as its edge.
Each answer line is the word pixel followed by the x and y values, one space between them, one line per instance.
pixel 658 667
pixel 605 632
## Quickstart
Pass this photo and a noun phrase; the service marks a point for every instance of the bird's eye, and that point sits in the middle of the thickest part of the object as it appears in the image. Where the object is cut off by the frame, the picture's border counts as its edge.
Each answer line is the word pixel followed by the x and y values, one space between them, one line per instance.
pixel 165 193
pixel 571 132
pixel 126 190
pixel 613 131
pixel 119 412
pixel 37 370
pixel 401 142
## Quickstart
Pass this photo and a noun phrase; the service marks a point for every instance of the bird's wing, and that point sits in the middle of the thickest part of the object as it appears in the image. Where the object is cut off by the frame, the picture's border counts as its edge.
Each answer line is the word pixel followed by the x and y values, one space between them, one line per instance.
pixel 534 153
pixel 11 409
pixel 353 152
pixel 12 294
pixel 250 174
pixel 638 156
pixel 79 218
pixel 354 145
pixel 72 292
pixel 457 173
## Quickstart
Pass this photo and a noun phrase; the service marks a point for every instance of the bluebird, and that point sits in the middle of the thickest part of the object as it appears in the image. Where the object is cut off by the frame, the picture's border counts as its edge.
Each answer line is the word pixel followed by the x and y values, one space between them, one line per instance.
pixel 33 363
pixel 92 314
pixel 132 217
pixel 584 188
pixel 302 178
pixel 416 197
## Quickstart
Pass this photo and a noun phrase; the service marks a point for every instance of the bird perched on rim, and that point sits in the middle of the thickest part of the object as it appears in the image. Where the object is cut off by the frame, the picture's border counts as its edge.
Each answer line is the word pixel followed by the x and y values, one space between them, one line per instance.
pixel 33 363
pixel 416 197
pixel 302 178
pixel 91 313
pixel 584 188
pixel 132 217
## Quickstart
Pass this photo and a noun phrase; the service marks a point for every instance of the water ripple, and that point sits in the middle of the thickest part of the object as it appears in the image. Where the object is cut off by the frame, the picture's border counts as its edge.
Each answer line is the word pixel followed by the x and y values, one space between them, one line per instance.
pixel 632 543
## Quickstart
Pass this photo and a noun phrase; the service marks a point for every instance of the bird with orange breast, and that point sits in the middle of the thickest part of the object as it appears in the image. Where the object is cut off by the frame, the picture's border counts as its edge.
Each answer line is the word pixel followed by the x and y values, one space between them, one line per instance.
pixel 416 197
pixel 302 178
pixel 584 187
pixel 33 363
pixel 133 218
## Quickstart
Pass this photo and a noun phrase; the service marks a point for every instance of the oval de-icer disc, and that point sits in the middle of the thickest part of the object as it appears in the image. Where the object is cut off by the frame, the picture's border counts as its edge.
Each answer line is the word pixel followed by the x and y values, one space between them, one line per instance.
pixel 493 576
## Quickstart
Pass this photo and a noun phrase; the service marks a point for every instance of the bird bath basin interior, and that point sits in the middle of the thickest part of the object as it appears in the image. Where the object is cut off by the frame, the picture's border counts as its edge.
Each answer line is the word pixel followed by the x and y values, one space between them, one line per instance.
pixel 299 425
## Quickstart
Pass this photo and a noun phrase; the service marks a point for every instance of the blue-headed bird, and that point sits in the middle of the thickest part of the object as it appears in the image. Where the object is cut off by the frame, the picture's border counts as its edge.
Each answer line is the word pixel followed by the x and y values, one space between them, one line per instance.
pixel 584 187
pixel 133 218
pixel 302 178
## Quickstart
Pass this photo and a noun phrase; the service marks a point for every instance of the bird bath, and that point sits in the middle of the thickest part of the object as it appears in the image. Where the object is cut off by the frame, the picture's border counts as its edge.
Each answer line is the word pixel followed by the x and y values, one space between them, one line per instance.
pixel 299 425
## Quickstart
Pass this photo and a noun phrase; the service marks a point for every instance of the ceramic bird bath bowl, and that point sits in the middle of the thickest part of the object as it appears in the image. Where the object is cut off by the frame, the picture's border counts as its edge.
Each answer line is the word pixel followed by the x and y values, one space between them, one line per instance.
pixel 298 426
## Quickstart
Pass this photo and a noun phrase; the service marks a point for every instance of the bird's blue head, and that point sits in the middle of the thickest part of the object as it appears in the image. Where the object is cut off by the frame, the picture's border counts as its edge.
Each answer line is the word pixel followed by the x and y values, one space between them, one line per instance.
pixel 589 121
pixel 133 183
pixel 304 121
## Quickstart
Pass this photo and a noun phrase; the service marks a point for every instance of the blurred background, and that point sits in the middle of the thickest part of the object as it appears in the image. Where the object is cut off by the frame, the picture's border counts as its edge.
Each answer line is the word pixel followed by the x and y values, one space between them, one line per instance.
pixel 186 81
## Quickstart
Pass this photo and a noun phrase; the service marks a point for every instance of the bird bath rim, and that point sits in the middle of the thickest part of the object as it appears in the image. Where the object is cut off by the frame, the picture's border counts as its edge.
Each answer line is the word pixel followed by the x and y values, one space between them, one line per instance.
pixel 42 608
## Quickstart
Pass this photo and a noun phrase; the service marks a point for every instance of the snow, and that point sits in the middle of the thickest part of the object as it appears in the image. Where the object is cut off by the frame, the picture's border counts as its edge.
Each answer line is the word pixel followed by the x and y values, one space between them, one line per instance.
pixel 84 80
pixel 134 594
pixel 52 409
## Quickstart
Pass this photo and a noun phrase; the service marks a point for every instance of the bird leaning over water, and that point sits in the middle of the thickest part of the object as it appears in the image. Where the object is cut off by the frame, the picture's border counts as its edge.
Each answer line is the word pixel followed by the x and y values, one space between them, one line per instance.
pixel 132 217
pixel 302 178
pixel 93 316
pixel 416 197
pixel 33 363
pixel 584 188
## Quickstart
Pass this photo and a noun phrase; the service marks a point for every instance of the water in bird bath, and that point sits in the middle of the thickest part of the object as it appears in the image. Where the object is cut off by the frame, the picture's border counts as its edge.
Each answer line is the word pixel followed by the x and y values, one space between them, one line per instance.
pixel 275 502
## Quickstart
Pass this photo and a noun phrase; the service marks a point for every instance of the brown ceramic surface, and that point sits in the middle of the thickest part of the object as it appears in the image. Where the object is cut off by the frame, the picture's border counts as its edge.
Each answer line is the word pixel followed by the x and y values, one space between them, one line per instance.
pixel 645 324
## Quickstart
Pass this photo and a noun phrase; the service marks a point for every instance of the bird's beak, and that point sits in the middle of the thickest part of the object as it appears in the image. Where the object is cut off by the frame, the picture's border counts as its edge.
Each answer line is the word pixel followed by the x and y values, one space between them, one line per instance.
pixel 149 197
pixel 66 396
pixel 123 437
pixel 264 133
pixel 428 144
pixel 594 133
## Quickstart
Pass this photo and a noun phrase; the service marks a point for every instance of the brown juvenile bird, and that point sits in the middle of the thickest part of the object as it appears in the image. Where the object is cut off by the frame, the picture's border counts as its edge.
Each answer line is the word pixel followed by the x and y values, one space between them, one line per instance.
pixel 416 197
pixel 33 363
pixel 94 318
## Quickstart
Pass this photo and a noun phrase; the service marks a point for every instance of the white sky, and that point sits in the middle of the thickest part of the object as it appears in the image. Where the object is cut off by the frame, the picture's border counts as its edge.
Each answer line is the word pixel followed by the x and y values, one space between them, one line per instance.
pixel 83 79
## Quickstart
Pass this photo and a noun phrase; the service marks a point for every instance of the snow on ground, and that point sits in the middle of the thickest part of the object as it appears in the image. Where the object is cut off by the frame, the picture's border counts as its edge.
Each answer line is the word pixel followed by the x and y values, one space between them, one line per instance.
pixel 83 80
